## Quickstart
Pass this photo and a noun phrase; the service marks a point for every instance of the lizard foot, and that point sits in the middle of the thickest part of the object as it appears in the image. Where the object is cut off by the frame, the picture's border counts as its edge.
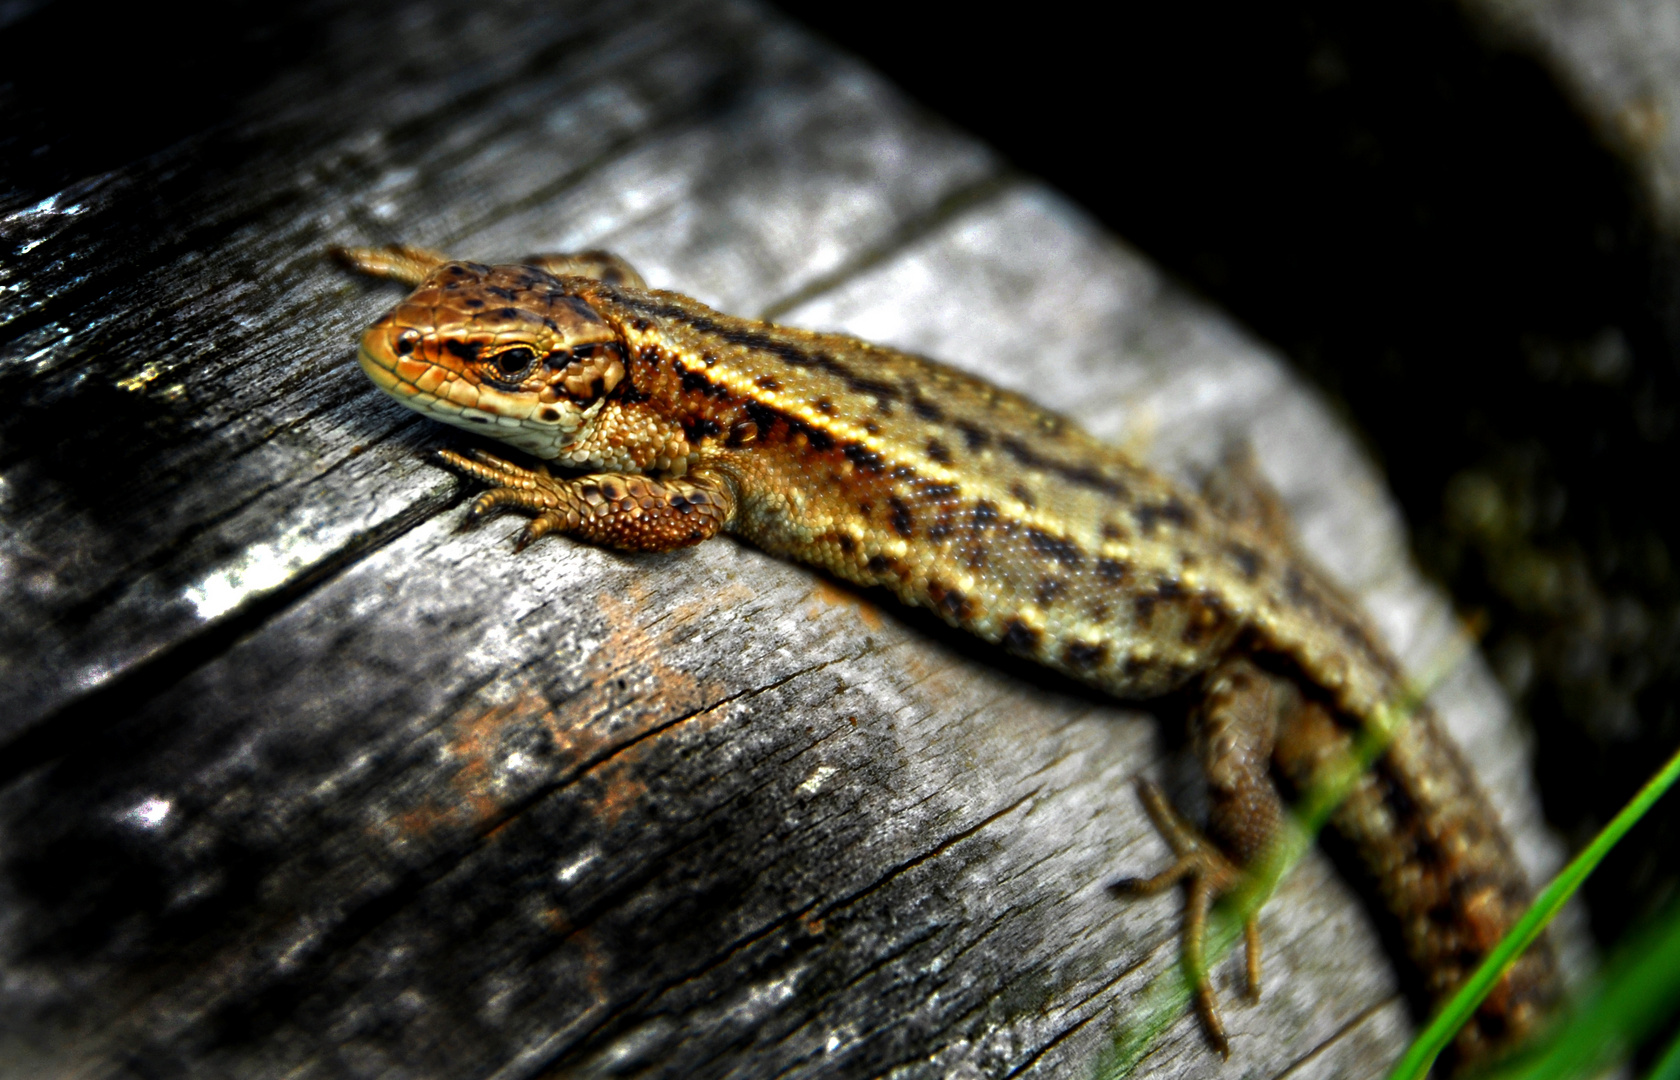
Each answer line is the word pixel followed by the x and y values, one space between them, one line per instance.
pixel 511 485
pixel 630 512
pixel 1207 875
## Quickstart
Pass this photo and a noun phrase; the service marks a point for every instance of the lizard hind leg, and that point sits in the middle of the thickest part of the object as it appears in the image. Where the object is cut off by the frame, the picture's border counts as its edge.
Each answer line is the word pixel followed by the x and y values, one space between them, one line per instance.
pixel 1206 875
pixel 1233 730
pixel 409 265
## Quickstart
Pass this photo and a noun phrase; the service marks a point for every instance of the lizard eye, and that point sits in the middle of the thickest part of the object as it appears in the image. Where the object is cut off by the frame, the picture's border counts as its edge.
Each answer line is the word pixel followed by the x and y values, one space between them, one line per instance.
pixel 515 362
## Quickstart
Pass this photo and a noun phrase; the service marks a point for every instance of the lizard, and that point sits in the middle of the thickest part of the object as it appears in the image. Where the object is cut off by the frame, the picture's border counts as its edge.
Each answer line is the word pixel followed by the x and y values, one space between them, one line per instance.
pixel 674 423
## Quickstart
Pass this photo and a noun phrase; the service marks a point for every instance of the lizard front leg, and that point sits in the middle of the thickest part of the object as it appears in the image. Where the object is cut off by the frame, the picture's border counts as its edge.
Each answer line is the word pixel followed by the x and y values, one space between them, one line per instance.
pixel 620 510
pixel 1233 730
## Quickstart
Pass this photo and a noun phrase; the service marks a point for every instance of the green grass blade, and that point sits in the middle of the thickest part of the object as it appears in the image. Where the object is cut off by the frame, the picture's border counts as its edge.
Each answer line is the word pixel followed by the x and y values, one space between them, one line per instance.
pixel 1638 991
pixel 1434 1038
pixel 1668 1067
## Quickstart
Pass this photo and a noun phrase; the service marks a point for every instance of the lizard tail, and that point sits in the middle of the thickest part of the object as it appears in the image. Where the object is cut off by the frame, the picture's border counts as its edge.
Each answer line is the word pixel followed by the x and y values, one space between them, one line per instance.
pixel 1430 843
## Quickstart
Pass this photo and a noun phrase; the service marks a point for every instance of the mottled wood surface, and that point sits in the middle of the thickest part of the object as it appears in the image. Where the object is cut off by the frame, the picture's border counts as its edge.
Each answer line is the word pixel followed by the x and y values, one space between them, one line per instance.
pixel 301 780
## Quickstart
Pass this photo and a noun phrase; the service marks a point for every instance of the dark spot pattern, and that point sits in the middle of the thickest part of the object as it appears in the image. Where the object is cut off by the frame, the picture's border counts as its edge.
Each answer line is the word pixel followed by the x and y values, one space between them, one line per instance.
pixel 1084 655
pixel 695 382
pixel 903 522
pixel 1207 617
pixel 865 459
pixel 1018 637
pixel 883 393
pixel 938 451
pixel 699 428
pixel 1246 559
pixel 1113 571
pixel 953 604
pixel 1170 510
pixel 1058 548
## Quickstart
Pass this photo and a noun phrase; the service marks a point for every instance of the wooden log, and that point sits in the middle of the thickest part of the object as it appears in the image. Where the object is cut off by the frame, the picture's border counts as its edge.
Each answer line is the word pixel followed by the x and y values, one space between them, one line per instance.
pixel 301 779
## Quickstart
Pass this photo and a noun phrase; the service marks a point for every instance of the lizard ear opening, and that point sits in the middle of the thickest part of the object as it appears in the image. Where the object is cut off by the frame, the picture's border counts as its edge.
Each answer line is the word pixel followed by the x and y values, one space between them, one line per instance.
pixel 595 370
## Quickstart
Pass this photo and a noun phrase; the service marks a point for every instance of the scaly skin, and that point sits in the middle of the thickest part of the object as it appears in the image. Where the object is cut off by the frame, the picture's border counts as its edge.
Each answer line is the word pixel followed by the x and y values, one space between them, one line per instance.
pixel 1006 520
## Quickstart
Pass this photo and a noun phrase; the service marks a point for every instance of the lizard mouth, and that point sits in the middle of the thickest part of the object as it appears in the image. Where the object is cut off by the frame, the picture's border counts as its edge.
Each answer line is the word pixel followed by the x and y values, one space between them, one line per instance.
pixel 542 430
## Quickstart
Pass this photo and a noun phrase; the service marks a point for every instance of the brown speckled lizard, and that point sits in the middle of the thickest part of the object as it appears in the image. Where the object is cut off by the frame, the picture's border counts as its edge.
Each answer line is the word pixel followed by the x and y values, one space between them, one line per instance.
pixel 1009 521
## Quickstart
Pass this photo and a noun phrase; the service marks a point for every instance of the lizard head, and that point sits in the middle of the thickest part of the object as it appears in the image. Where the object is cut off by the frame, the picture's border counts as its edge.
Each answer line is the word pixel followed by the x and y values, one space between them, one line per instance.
pixel 503 350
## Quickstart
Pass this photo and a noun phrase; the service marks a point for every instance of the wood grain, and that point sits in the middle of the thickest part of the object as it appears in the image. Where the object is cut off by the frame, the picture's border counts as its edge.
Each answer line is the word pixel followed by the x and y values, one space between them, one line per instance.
pixel 300 779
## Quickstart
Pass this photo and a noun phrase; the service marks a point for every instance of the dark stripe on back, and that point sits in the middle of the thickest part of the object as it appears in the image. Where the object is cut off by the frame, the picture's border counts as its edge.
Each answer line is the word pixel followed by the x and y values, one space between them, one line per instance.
pixel 787 352
pixel 1082 475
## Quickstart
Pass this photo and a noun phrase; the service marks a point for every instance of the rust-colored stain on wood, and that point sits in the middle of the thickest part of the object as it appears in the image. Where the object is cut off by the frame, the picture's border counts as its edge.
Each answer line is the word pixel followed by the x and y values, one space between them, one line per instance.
pixel 630 692
pixel 827 594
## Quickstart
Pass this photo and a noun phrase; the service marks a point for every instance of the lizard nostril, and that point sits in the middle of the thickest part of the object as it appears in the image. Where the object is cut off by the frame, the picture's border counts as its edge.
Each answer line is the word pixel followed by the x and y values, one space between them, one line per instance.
pixel 406 341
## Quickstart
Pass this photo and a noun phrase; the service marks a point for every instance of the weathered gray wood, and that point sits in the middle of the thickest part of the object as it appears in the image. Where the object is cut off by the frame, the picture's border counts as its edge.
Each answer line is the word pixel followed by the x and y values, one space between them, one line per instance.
pixel 318 785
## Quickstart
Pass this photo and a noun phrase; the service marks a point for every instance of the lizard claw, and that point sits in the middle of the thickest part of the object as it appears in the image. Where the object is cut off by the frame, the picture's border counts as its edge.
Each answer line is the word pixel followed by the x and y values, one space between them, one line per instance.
pixel 538 527
pixel 1207 875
